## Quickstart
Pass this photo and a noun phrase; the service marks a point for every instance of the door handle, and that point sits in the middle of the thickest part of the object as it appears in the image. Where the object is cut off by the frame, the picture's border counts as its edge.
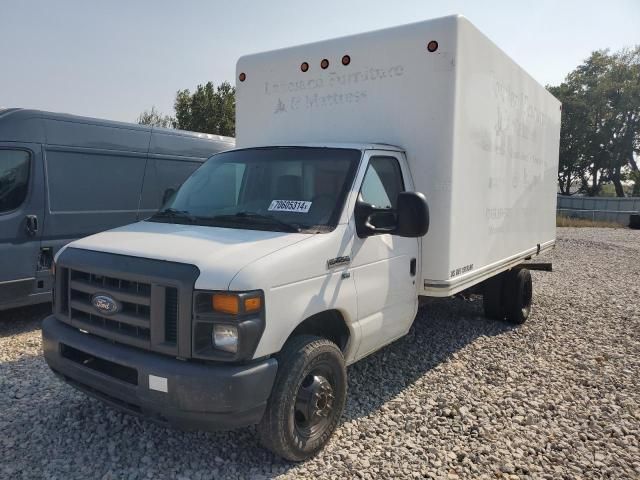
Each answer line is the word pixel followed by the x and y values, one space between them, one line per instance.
pixel 32 225
pixel 412 267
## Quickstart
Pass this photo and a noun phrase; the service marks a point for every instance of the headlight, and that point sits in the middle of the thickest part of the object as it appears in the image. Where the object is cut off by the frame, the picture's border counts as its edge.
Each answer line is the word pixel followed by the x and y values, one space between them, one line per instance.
pixel 227 325
pixel 225 337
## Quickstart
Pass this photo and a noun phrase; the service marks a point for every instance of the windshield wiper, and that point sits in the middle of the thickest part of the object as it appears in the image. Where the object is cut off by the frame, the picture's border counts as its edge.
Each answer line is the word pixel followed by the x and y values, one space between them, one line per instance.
pixel 174 213
pixel 289 227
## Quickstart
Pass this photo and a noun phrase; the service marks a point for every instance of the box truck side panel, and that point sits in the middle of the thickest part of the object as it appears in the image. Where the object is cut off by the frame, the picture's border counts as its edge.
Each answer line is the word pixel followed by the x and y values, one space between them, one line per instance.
pixel 505 164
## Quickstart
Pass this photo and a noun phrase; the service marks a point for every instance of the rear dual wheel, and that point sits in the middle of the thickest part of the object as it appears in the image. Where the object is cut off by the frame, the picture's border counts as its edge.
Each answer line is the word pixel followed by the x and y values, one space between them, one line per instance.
pixel 508 296
pixel 307 400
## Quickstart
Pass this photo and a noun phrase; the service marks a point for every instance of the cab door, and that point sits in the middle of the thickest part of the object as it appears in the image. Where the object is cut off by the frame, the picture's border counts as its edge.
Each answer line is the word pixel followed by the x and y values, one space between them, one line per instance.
pixel 384 265
pixel 21 216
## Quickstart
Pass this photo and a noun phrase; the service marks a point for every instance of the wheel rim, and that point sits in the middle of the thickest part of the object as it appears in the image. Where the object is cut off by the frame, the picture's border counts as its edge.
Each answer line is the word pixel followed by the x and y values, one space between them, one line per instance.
pixel 527 296
pixel 314 404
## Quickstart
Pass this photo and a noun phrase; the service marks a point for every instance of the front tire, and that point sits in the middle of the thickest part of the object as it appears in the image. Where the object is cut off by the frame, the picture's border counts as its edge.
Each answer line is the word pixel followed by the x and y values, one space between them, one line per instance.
pixel 307 400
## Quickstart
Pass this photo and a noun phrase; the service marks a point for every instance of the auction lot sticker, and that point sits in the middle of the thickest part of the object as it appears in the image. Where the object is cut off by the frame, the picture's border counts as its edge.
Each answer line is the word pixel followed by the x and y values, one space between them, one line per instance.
pixel 289 206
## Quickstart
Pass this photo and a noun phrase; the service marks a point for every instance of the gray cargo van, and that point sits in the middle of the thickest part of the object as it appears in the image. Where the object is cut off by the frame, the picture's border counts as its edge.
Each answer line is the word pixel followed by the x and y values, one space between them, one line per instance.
pixel 63 177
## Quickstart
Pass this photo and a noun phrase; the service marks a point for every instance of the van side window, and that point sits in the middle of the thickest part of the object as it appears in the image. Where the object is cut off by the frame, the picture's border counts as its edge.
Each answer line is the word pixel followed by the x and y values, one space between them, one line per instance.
pixel 14 178
pixel 382 183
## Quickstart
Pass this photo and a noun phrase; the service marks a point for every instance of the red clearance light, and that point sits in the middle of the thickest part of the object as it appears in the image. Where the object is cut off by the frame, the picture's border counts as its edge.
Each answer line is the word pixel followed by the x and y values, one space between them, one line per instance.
pixel 242 77
pixel 346 60
pixel 432 46
pixel 324 64
pixel 304 67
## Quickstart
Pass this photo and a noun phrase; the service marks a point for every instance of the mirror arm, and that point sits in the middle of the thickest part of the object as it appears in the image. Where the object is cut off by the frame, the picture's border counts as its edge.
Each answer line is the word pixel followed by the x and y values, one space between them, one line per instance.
pixel 364 212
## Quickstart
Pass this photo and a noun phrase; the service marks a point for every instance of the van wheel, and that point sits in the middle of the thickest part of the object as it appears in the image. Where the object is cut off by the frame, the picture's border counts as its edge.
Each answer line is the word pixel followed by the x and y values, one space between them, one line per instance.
pixel 307 398
pixel 492 297
pixel 518 295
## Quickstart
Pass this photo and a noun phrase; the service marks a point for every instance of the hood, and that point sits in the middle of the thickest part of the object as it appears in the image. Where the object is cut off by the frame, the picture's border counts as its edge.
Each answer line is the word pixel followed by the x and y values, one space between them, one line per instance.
pixel 219 253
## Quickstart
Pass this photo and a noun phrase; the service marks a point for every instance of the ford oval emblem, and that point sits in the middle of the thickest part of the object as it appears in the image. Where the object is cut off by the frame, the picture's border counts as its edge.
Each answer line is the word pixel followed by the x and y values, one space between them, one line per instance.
pixel 105 304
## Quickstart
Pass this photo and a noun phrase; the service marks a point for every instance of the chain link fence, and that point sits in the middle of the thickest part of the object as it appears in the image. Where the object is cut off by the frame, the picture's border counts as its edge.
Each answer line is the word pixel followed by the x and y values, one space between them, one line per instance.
pixel 602 209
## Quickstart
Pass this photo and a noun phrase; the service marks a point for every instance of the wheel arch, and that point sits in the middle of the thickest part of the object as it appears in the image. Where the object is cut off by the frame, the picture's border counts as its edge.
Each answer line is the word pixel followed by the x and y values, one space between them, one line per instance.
pixel 330 324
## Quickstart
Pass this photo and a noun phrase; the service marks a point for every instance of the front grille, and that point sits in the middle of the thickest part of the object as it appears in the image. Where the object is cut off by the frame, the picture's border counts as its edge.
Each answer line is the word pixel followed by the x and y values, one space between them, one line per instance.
pixel 64 289
pixel 171 315
pixel 131 324
pixel 154 299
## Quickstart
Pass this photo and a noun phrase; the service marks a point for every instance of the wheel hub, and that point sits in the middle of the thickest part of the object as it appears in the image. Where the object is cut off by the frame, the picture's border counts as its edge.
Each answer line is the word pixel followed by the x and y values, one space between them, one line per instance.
pixel 323 398
pixel 314 402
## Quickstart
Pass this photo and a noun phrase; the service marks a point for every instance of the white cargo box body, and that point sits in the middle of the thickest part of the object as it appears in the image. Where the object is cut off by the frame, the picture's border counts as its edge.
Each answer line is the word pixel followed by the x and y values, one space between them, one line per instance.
pixel 480 135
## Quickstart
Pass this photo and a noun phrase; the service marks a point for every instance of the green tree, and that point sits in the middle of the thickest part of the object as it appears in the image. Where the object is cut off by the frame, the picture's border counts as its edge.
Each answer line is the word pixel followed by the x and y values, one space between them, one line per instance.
pixel 154 118
pixel 572 165
pixel 600 135
pixel 624 121
pixel 209 109
pixel 635 177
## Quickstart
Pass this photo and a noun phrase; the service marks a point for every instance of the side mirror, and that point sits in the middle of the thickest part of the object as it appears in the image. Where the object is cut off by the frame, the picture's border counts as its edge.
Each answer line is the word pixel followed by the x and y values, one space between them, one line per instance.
pixel 367 216
pixel 168 193
pixel 409 219
pixel 413 215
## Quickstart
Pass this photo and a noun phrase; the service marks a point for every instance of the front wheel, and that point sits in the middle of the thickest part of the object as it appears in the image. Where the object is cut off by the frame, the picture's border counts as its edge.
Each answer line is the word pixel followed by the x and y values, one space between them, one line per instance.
pixel 307 398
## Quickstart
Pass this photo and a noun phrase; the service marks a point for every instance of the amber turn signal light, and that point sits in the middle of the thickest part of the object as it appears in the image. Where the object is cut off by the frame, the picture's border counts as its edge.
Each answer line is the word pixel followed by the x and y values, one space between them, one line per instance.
pixel 252 304
pixel 225 303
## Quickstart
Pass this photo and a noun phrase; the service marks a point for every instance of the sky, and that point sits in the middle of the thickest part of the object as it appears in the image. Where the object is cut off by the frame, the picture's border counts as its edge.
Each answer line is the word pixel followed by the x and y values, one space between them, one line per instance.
pixel 115 58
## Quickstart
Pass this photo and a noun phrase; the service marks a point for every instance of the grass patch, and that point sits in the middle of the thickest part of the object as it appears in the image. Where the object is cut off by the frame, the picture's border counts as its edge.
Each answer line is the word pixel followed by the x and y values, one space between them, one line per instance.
pixel 564 221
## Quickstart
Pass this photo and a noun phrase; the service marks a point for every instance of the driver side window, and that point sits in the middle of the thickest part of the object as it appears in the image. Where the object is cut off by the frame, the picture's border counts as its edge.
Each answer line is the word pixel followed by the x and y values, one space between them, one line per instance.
pixel 382 183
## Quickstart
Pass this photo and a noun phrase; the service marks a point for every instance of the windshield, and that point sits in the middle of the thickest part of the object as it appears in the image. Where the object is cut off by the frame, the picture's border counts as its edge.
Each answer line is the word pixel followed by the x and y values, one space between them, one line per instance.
pixel 280 189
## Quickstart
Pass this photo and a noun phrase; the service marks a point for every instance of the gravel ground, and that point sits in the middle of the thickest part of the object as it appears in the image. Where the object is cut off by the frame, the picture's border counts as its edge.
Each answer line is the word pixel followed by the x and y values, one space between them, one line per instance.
pixel 459 397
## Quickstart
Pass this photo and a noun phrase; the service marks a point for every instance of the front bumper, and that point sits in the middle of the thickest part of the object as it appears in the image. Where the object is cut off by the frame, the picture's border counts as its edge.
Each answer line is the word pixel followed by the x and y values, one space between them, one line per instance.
pixel 198 395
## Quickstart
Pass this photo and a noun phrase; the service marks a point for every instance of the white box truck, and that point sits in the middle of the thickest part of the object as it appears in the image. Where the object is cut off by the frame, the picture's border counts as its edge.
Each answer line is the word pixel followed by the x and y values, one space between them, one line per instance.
pixel 277 264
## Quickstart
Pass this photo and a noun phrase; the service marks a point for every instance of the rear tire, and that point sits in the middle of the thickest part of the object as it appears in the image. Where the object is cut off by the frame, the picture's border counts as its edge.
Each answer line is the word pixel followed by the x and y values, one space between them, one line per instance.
pixel 492 297
pixel 307 399
pixel 518 295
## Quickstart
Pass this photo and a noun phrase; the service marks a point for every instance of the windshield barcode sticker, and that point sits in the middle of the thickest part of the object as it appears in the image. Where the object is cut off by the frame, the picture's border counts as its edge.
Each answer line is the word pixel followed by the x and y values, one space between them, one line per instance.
pixel 289 206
